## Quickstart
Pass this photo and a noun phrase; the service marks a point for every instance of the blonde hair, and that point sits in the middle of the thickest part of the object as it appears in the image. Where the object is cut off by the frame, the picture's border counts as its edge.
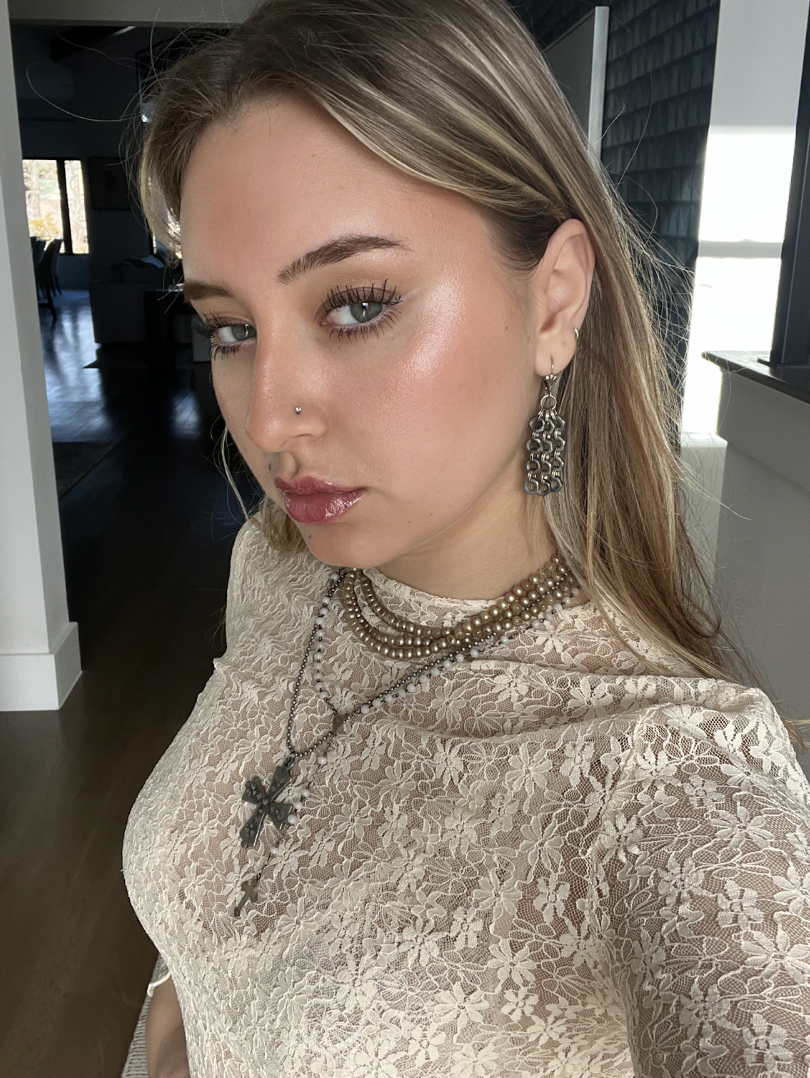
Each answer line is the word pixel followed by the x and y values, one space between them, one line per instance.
pixel 456 93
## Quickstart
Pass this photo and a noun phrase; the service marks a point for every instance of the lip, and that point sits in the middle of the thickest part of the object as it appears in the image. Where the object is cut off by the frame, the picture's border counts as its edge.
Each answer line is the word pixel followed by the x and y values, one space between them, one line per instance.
pixel 314 501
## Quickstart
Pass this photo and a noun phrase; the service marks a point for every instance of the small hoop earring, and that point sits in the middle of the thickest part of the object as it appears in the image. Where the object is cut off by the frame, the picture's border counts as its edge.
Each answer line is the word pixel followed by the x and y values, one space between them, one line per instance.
pixel 545 465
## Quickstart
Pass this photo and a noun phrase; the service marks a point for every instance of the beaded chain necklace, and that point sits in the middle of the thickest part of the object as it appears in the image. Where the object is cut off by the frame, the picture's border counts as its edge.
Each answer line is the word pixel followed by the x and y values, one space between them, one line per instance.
pixel 527 605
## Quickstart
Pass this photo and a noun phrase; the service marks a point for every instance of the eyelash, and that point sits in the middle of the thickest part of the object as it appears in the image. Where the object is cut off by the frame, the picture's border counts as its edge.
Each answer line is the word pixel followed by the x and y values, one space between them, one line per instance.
pixel 336 298
pixel 367 294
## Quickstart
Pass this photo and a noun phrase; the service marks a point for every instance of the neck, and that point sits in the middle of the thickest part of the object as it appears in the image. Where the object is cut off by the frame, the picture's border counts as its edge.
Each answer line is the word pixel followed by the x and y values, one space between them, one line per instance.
pixel 481 556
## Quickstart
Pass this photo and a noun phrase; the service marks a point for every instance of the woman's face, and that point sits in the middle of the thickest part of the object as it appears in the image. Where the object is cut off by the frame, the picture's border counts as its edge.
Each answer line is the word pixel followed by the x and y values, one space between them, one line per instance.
pixel 375 303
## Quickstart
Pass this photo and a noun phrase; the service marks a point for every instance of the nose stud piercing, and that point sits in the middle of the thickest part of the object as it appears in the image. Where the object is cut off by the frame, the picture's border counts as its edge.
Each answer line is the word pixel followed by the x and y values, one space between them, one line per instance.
pixel 297 411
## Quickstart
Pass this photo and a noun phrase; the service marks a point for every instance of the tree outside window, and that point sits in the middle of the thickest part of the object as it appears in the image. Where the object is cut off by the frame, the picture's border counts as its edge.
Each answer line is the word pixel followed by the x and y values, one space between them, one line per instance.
pixel 54 195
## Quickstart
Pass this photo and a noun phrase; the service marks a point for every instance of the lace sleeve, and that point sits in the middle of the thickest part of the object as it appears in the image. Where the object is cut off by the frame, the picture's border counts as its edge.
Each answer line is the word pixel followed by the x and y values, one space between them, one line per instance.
pixel 702 896
pixel 160 974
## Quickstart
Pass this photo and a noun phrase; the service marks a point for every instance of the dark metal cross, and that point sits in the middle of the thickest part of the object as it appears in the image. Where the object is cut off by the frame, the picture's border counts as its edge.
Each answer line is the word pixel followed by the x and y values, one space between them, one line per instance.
pixel 266 804
pixel 251 894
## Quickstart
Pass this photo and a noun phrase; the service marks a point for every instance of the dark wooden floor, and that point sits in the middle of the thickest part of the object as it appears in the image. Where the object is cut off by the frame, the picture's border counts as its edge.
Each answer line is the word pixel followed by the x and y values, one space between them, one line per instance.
pixel 147 537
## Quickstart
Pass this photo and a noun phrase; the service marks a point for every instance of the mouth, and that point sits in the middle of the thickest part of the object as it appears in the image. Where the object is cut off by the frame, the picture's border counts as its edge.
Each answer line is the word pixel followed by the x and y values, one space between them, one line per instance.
pixel 313 501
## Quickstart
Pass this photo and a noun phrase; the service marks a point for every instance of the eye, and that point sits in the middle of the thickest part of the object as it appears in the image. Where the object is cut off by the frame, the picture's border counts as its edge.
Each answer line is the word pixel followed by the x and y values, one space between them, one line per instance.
pixel 351 311
pixel 233 333
pixel 224 336
pixel 355 313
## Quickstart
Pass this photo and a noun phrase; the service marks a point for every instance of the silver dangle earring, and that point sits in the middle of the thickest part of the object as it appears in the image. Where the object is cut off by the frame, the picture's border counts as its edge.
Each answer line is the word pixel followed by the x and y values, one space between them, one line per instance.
pixel 546 443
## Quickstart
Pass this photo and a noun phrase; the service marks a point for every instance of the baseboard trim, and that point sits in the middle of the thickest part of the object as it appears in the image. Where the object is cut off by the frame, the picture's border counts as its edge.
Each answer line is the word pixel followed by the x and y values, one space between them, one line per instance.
pixel 41 681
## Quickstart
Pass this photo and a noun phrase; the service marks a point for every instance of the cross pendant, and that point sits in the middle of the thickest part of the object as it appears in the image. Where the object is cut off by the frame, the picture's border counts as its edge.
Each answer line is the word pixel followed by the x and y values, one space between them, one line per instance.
pixel 266 804
pixel 250 895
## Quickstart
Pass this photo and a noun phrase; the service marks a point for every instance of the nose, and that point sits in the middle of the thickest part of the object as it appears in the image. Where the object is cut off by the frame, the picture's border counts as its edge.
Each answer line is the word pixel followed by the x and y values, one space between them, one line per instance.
pixel 285 405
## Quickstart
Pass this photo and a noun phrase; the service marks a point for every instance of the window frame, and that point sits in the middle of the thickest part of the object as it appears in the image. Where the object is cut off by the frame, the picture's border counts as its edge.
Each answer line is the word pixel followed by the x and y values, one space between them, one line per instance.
pixel 61 175
pixel 791 334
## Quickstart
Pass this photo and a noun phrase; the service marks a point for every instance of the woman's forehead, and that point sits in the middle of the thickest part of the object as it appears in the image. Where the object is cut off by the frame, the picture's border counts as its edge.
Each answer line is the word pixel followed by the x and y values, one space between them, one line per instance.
pixel 288 176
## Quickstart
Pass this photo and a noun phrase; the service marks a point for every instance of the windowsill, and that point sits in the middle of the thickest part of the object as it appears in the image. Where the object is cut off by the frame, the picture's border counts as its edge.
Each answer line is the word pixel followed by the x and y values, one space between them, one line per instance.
pixel 794 381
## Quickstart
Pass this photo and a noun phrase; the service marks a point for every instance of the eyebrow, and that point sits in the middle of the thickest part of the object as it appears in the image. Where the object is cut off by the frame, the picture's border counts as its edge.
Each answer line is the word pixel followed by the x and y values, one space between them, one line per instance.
pixel 326 255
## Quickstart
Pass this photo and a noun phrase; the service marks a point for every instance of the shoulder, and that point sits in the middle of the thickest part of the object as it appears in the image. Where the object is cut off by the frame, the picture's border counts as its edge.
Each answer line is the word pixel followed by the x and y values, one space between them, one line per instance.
pixel 257 562
pixel 722 745
pixel 265 582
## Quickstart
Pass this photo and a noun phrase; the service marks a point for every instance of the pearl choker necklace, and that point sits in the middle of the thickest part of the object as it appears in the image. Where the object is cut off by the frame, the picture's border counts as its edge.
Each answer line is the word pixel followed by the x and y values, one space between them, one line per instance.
pixel 527 603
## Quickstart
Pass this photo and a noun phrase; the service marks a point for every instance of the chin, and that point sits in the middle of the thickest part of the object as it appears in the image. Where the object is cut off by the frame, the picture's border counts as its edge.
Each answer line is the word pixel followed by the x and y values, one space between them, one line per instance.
pixel 340 544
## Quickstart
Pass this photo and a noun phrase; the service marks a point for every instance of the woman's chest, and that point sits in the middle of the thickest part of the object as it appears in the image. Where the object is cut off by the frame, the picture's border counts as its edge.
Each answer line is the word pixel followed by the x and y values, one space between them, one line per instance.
pixel 405 848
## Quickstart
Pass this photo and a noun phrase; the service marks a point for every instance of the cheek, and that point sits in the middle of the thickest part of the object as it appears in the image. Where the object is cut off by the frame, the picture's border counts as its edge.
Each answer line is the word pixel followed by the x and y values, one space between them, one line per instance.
pixel 454 410
pixel 233 386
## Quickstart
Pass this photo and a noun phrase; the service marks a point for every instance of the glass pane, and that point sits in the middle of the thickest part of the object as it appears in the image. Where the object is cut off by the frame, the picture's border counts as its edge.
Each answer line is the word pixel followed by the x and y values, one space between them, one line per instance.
pixel 42 199
pixel 75 197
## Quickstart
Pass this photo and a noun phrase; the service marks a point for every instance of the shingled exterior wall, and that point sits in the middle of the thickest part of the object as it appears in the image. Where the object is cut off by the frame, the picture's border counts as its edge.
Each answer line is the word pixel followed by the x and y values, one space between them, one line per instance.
pixel 658 94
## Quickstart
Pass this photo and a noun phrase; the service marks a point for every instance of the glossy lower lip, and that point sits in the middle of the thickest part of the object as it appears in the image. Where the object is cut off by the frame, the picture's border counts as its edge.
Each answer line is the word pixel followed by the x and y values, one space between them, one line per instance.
pixel 321 506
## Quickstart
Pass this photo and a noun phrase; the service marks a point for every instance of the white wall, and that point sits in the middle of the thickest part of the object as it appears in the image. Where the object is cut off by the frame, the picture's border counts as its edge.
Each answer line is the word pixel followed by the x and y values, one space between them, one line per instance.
pixel 760 46
pixel 763 546
pixel 39 647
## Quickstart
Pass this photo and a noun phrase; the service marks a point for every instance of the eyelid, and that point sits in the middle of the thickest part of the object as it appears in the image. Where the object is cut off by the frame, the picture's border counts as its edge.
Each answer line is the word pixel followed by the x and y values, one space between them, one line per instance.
pixel 367 293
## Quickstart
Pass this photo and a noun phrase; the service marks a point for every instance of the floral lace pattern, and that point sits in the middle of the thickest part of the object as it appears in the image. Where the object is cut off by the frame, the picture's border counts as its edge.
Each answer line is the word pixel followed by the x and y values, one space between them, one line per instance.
pixel 548 864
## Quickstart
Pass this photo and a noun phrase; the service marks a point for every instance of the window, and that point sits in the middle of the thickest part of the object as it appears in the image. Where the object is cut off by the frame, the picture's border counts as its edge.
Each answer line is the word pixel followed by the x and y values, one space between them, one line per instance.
pixel 791 334
pixel 54 195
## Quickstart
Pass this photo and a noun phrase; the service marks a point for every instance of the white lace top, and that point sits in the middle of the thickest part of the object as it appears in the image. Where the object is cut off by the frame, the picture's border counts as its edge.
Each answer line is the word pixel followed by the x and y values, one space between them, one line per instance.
pixel 548 864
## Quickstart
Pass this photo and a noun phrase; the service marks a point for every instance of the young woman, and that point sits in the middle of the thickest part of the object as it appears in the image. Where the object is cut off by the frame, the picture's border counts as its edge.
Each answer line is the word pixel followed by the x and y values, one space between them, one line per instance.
pixel 473 790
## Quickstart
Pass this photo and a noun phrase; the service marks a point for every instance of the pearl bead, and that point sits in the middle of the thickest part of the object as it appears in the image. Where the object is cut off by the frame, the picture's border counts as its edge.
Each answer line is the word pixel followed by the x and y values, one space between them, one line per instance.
pixel 536 623
pixel 389 698
pixel 557 608
pixel 401 693
pixel 474 653
pixel 275 849
pixel 304 794
pixel 326 601
pixel 575 591
pixel 292 818
pixel 435 670
pixel 504 639
pixel 298 805
pixel 447 664
pixel 460 657
pixel 411 687
pixel 364 710
pixel 321 760
pixel 376 702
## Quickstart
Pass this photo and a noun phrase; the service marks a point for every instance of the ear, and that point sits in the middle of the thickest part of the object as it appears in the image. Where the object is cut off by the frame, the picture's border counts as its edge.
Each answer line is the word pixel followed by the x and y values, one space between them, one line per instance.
pixel 561 291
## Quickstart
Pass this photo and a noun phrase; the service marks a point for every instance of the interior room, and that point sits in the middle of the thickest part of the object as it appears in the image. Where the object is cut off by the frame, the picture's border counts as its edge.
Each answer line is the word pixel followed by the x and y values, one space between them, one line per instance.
pixel 120 498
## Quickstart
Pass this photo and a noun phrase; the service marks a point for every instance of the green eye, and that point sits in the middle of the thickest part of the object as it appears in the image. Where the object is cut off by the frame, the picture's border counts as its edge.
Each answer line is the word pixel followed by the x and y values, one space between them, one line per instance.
pixel 235 333
pixel 359 311
pixel 365 311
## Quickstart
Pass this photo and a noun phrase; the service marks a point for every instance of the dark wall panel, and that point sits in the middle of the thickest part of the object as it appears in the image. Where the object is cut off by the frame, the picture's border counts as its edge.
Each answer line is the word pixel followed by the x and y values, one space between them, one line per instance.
pixel 658 96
